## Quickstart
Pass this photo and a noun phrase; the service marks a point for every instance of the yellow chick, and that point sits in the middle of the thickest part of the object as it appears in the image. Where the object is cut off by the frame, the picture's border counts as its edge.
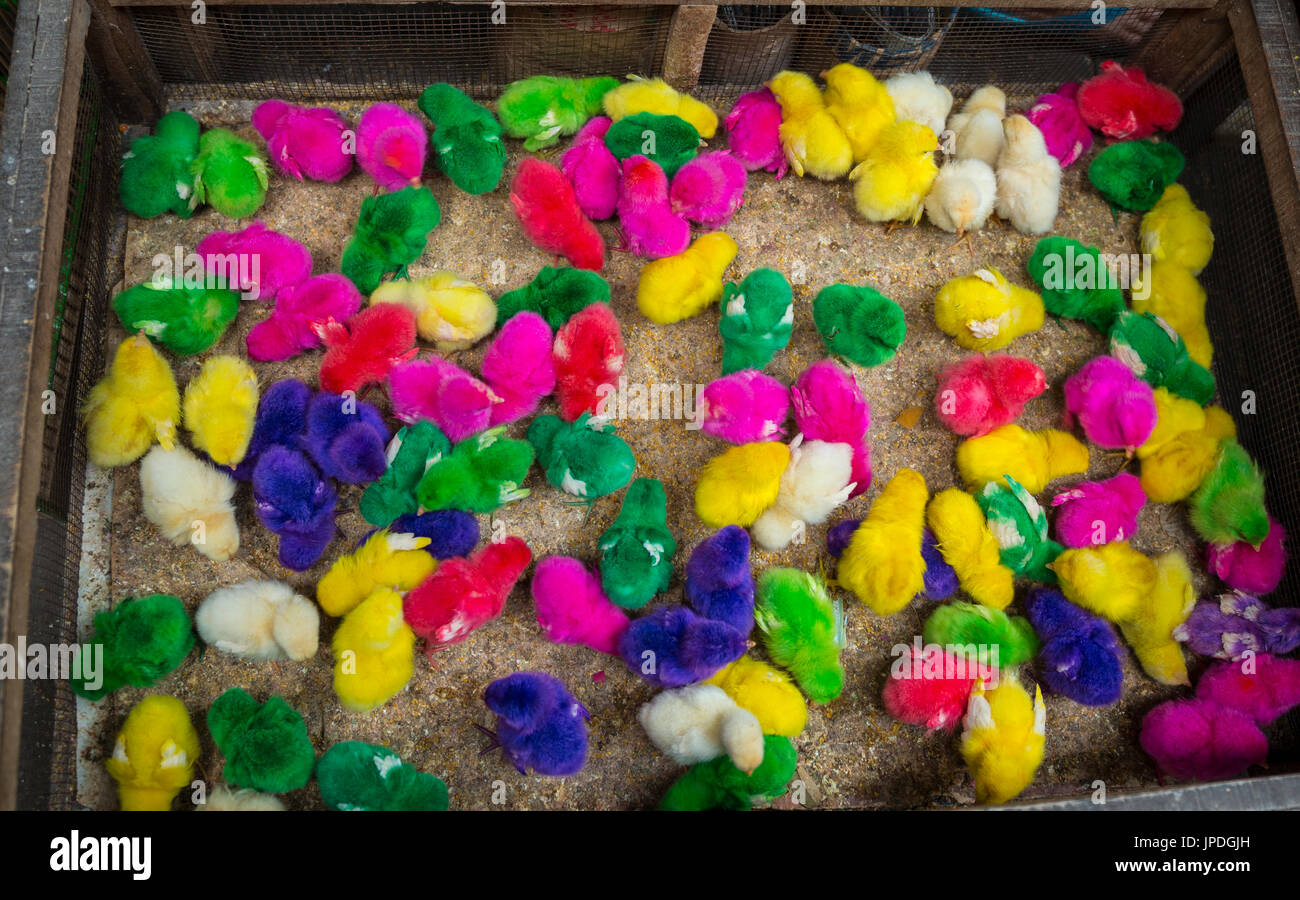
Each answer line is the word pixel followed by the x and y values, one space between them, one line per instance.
pixel 1175 231
pixel 894 177
pixel 220 408
pixel 373 652
pixel 985 312
pixel 385 560
pixel 813 141
pixel 967 544
pixel 450 313
pixel 1174 469
pixel 1002 739
pixel 1174 294
pixel 681 286
pixel 766 692
pixel 1174 415
pixel 1111 580
pixel 882 564
pixel 135 404
pixel 153 757
pixel 859 103
pixel 1150 631
pixel 1033 458
pixel 737 486
pixel 654 95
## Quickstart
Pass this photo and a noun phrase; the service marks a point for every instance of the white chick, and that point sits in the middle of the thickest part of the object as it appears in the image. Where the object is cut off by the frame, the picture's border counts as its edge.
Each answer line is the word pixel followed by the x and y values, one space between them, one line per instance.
pixel 259 620
pixel 1029 178
pixel 701 722
pixel 977 129
pixel 918 99
pixel 818 479
pixel 189 501
pixel 223 799
pixel 962 196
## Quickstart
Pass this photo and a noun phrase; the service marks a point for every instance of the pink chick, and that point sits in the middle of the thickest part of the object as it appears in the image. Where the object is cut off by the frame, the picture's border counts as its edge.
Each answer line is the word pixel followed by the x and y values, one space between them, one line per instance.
pixel 593 170
pixel 1098 512
pixel 829 406
pixel 362 351
pixel 981 393
pixel 754 132
pixel 1116 409
pixel 572 608
pixel 1202 740
pixel 588 355
pixel 1264 687
pixel 744 407
pixel 261 262
pixel 1253 570
pixel 300 310
pixel 391 145
pixel 442 392
pixel 304 142
pixel 709 189
pixel 650 227
pixel 518 367
pixel 929 689
pixel 1057 116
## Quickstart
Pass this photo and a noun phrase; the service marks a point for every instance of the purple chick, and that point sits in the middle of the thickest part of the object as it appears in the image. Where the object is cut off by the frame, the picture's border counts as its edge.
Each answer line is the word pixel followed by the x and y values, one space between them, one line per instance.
pixel 754 132
pixel 265 262
pixel 1115 408
pixel 1098 512
pixel 346 437
pixel 709 189
pixel 940 578
pixel 451 532
pixel 540 725
pixel 1081 657
pixel 719 583
pixel 1238 623
pixel 304 142
pixel 593 170
pixel 673 646
pixel 281 418
pixel 293 501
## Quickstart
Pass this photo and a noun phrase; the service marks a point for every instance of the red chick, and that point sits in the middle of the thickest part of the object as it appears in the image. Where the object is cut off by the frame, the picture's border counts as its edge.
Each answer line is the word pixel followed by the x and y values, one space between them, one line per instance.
pixel 549 212
pixel 1122 104
pixel 981 393
pixel 588 354
pixel 363 351
pixel 463 594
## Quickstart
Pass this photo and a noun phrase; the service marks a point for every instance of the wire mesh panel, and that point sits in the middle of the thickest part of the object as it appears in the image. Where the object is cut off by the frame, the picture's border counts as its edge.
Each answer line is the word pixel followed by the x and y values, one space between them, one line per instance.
pixel 49 732
pixel 8 19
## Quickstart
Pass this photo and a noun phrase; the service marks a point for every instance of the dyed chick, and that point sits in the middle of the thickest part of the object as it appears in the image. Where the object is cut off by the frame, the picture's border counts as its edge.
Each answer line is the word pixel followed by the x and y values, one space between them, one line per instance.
pixel 555 294
pixel 392 231
pixel 1002 740
pixel 1081 657
pixel 220 408
pixel 892 181
pixel 1076 282
pixel 154 754
pixel 519 368
pixel 1029 179
pixel 593 170
pixel 346 438
pixel 451 533
pixel 467 143
pixel 274 261
pixel 1033 458
pixel 141 640
pixel 1115 408
pixel 450 313
pixel 572 608
pixel 229 174
pixel 882 565
pixel 540 725
pixel 1202 740
pixel 636 551
pixel 259 620
pixel 736 486
pixel 718 784
pixel 672 646
pixel 743 407
pixel 293 501
pixel 964 539
pixel 980 393
pixel 189 501
pixel 464 594
pixel 709 189
pixel 860 104
pixel 1112 580
pixel 1244 567
pixel 650 226
pixel 754 132
pixel 1229 504
pixel 984 311
pixel 409 454
pixel 803 630
pixel 135 404
pixel 588 358
pixel 438 390
pixel 1177 463
pixel 585 458
pixel 1019 524
pixel 391 146
pixel 676 142
pixel 858 323
pixel 1265 691
pixel 357 776
pixel 281 420
pixel 1003 641
pixel 542 109
pixel 265 745
pixel 482 474
pixel 1175 230
pixel 813 141
pixel 929 687
pixel 829 406
pixel 365 350
pixel 977 129
pixel 654 95
pixel 385 559
pixel 813 485
pixel 1150 629
pixel 551 218
pixel 373 652
pixel 940 579
pixel 1096 512
pixel 701 722
pixel 917 98
pixel 1057 116
pixel 1158 355
pixel 184 320
pixel 767 692
pixel 681 286
pixel 156 176
pixel 757 320
pixel 1122 104
pixel 719 584
pixel 304 142
pixel 1133 175
pixel 302 313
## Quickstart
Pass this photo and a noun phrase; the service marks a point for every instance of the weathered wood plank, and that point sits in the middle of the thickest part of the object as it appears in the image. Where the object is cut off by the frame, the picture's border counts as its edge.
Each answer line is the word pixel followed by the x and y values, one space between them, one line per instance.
pixel 133 87
pixel 688 35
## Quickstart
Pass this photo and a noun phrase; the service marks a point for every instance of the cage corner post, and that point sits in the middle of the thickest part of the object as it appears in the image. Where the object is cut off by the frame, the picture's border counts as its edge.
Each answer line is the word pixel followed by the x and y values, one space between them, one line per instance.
pixel 688 35
pixel 134 86
pixel 41 104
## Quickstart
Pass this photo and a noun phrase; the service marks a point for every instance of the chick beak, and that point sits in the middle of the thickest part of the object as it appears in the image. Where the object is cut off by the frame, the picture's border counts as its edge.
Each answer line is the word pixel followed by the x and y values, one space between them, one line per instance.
pixel 416 182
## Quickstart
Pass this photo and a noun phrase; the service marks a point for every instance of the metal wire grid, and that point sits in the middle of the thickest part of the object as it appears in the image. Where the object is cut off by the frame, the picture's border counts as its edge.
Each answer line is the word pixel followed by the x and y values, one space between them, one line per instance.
pixel 369 52
pixel 49 732
pixel 8 19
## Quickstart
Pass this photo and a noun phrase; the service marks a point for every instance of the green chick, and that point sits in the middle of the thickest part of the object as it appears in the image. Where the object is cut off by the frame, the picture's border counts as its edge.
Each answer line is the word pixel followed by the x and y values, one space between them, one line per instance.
pixel 555 295
pixel 392 231
pixel 803 630
pixel 184 320
pixel 670 141
pixel 142 639
pixel 542 109
pixel 1229 505
pixel 718 784
pixel 466 138
pixel 265 744
pixel 230 174
pixel 859 323
pixel 637 550
pixel 1158 355
pixel 156 176
pixel 757 320
pixel 1134 174
pixel 480 475
pixel 354 775
pixel 410 454
pixel 1075 282
pixel 585 458
pixel 981 628
pixel 1019 524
